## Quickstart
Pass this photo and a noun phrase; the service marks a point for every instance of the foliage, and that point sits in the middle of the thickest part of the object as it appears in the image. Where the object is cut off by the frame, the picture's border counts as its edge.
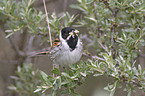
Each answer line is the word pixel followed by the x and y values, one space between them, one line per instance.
pixel 120 69
pixel 115 28
pixel 21 15
pixel 24 81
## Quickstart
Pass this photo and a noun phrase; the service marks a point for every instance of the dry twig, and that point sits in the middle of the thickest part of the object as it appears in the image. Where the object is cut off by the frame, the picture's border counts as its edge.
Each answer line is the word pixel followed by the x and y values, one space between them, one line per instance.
pixel 47 22
pixel 48 28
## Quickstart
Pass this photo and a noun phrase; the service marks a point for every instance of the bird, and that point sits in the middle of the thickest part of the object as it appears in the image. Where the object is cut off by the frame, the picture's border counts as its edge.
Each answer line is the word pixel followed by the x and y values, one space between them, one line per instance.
pixel 68 49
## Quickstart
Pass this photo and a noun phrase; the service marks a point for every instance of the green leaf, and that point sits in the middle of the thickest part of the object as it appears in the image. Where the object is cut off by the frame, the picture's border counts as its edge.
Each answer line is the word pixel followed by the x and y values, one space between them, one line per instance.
pixel 12 87
pixel 111 88
pixel 14 77
pixel 142 6
pixel 10 34
pixel 65 74
pixel 37 90
pixel 119 85
pixel 64 91
pixel 139 68
pixel 65 82
pixel 92 19
pixel 71 72
pixel 56 71
pixel 83 74
pixel 19 69
pixel 44 76
pixel 99 74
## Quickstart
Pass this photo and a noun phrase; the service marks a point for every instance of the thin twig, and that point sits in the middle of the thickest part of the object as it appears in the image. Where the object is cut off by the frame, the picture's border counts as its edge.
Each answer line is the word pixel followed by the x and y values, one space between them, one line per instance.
pixel 41 52
pixel 47 23
pixel 65 5
pixel 14 46
pixel 48 28
pixel 39 4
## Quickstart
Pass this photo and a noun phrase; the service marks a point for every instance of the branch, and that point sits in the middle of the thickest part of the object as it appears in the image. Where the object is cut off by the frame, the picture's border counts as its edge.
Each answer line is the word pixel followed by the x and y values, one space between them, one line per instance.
pixel 114 25
pixel 18 52
pixel 30 42
pixel 107 4
pixel 137 84
pixel 113 11
pixel 15 48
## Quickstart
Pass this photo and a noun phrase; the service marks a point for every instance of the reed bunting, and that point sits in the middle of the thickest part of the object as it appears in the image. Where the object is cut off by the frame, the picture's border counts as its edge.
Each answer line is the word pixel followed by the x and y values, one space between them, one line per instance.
pixel 68 49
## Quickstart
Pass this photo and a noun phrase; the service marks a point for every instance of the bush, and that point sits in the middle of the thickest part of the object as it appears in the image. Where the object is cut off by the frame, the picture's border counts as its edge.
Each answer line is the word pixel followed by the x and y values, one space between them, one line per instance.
pixel 115 31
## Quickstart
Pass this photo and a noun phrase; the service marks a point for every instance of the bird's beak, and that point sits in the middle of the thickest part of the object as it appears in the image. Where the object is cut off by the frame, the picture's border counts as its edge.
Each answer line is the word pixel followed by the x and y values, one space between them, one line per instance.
pixel 73 33
pixel 76 32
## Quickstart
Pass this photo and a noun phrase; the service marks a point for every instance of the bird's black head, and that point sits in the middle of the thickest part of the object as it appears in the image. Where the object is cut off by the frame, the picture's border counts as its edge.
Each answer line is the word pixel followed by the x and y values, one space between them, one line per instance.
pixel 71 36
pixel 65 32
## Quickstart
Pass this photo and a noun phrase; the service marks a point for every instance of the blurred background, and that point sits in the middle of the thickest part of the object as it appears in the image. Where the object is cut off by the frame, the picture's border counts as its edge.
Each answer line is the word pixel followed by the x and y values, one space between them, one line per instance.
pixel 9 59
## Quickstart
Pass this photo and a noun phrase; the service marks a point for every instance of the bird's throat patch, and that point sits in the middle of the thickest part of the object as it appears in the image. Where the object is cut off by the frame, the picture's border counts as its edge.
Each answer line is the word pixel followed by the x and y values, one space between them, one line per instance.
pixel 72 42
